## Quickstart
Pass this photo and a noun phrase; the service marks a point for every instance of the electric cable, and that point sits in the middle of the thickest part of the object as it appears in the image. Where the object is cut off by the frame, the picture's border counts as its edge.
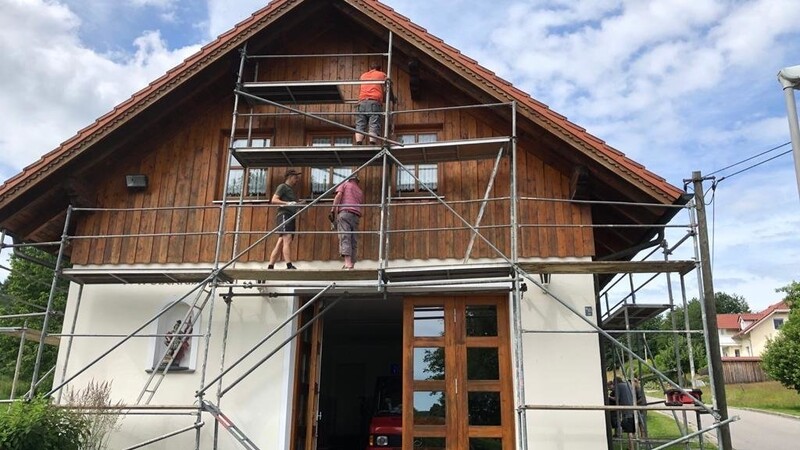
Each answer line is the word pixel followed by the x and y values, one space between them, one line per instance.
pixel 751 158
pixel 756 165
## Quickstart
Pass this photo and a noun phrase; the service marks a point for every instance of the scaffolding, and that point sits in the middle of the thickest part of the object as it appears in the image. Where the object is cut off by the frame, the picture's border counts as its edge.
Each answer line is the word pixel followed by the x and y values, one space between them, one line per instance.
pixel 225 279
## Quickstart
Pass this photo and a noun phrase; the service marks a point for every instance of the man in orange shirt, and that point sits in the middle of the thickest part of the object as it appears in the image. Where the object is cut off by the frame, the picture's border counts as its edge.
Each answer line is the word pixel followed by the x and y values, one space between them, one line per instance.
pixel 370 102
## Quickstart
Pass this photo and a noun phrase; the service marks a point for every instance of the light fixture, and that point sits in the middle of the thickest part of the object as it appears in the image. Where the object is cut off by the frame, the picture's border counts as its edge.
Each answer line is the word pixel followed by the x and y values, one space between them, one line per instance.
pixel 136 182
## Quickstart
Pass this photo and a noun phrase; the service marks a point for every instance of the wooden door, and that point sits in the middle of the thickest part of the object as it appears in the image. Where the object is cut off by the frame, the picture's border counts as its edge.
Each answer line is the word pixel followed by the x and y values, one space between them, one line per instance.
pixel 305 413
pixel 457 390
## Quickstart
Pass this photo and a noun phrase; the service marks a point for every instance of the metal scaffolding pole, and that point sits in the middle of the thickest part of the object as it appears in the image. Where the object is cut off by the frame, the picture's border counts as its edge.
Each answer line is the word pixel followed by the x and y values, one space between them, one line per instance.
pixel 50 298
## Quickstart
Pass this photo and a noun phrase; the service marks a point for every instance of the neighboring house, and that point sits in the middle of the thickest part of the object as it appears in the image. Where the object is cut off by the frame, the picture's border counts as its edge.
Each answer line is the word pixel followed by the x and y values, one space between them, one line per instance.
pixel 137 201
pixel 746 334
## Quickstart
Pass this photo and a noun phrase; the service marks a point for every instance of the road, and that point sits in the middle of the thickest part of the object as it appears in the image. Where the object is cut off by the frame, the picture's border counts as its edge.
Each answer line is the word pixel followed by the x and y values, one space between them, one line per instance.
pixel 760 431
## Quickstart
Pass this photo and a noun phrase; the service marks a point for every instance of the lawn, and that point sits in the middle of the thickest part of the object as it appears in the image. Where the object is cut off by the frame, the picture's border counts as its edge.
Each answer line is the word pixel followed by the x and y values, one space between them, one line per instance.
pixel 769 396
pixel 662 429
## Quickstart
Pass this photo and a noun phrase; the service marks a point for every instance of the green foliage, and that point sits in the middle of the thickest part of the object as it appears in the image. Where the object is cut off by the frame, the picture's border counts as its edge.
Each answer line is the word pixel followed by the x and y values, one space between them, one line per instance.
pixel 730 304
pixel 26 290
pixel 792 297
pixel 781 358
pixel 663 345
pixel 39 425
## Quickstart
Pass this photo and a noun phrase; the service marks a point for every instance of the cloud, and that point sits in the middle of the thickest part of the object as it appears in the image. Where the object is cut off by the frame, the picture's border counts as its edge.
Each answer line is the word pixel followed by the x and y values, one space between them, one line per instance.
pixel 53 85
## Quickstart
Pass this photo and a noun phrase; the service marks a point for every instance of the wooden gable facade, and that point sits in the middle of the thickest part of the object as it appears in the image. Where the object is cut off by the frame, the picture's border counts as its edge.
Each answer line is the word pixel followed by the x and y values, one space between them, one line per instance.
pixel 176 132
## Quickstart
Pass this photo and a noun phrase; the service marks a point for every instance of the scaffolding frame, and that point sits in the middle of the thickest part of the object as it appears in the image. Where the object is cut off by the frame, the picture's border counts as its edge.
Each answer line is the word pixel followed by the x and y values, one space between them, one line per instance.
pixel 511 275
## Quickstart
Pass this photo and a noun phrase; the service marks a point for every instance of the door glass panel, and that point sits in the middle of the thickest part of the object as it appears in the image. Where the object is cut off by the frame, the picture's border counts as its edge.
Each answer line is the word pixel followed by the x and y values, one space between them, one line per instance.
pixel 485 444
pixel 483 364
pixel 429 443
pixel 481 320
pixel 428 321
pixel 429 408
pixel 429 363
pixel 484 408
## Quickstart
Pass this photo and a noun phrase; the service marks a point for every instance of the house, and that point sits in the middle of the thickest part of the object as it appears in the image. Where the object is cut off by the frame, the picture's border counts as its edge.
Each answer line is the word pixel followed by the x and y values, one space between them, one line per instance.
pixel 162 208
pixel 747 334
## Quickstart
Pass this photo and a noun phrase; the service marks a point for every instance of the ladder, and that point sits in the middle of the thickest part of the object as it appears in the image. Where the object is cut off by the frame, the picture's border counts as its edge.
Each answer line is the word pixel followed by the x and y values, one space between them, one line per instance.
pixel 229 425
pixel 166 357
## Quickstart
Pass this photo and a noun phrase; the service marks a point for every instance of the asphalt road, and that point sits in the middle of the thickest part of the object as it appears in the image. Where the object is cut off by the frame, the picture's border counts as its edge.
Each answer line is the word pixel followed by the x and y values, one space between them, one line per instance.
pixel 760 431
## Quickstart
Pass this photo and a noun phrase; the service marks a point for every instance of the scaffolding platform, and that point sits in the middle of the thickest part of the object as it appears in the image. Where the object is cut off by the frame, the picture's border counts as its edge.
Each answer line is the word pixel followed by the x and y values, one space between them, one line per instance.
pixel 30 335
pixel 637 314
pixel 609 267
pixel 355 155
pixel 164 275
pixel 295 93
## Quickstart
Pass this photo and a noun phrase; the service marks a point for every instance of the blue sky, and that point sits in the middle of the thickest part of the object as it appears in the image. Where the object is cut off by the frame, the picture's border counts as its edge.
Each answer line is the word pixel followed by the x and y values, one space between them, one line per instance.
pixel 678 85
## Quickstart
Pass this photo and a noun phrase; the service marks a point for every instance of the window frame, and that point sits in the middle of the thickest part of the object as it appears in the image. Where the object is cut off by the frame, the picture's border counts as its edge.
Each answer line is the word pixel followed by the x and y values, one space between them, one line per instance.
pixel 233 166
pixel 330 171
pixel 417 190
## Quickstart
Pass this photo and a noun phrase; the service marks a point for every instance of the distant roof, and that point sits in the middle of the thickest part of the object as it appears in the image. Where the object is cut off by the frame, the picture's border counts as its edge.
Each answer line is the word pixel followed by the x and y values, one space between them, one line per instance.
pixel 401 25
pixel 728 321
pixel 731 321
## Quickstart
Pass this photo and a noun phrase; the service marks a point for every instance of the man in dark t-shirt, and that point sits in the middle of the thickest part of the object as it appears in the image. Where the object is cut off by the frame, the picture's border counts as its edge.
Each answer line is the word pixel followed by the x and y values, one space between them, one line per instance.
pixel 285 197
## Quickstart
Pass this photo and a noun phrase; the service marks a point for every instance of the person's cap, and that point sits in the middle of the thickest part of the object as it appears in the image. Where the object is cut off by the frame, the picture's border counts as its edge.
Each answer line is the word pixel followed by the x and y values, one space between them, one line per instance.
pixel 291 172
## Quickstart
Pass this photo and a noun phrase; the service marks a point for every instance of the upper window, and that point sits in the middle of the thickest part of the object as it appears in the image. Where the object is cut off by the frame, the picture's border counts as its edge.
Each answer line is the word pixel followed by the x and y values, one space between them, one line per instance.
pixel 251 182
pixel 777 323
pixel 428 174
pixel 324 178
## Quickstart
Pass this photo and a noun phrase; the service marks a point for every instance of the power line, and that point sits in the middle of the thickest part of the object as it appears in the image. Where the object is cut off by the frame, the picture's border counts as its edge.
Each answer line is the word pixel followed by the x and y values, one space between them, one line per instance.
pixel 751 158
pixel 756 165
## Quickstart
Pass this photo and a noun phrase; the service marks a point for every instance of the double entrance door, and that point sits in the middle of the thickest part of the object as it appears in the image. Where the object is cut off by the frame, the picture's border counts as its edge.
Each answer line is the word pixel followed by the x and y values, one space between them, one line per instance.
pixel 457 390
pixel 455 369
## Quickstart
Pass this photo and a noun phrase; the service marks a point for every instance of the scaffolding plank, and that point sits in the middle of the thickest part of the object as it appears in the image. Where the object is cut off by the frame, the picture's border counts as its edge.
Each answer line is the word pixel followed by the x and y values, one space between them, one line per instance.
pixel 609 267
pixel 296 94
pixel 138 275
pixel 431 152
pixel 328 275
pixel 500 271
pixel 30 335
pixel 637 314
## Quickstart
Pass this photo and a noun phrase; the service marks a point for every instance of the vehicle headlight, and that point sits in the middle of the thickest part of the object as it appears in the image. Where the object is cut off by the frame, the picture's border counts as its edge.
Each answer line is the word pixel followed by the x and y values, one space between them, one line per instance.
pixel 382 441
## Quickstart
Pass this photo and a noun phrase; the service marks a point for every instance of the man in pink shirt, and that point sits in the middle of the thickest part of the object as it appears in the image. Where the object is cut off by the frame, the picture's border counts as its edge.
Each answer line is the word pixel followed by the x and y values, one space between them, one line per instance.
pixel 370 102
pixel 347 209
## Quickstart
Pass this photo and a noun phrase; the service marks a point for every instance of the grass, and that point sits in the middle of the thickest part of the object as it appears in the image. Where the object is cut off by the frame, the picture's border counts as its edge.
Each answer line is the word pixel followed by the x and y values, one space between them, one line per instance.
pixel 662 428
pixel 768 396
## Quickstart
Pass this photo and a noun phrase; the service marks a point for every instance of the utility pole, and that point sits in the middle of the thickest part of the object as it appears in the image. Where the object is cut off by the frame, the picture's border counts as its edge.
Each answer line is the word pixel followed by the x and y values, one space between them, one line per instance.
pixel 710 315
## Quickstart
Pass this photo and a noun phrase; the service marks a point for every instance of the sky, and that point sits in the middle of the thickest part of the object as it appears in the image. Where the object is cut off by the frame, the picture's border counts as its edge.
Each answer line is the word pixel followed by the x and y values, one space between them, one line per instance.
pixel 677 85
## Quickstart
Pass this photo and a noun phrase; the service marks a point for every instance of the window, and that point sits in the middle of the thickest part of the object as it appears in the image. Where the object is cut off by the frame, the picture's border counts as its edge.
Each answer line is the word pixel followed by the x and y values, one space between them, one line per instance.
pixel 323 179
pixel 777 323
pixel 252 181
pixel 737 353
pixel 427 173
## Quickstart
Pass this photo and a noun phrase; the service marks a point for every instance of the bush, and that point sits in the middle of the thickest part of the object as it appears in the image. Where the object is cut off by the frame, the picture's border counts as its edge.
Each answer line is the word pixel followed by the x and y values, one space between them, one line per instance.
pixel 39 425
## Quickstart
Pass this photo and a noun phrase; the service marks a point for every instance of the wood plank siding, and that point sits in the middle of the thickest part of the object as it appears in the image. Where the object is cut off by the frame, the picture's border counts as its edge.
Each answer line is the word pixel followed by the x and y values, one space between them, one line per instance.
pixel 184 159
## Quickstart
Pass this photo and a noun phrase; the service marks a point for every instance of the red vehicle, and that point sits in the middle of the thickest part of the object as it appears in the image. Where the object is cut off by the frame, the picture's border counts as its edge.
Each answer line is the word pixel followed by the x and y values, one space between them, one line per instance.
pixel 385 424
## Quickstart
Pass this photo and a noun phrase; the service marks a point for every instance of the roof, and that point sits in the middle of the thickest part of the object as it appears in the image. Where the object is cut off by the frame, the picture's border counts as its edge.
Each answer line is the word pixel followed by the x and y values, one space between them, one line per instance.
pixel 538 112
pixel 728 321
pixel 731 321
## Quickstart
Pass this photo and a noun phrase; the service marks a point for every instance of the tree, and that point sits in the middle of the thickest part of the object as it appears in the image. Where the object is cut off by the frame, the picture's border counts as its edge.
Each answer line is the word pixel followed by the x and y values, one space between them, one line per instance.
pixel 781 358
pixel 26 290
pixel 731 304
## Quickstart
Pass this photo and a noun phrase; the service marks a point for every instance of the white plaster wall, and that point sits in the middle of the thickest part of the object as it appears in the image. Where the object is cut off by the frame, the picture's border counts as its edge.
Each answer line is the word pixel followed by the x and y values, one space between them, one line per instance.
pixel 257 405
pixel 562 368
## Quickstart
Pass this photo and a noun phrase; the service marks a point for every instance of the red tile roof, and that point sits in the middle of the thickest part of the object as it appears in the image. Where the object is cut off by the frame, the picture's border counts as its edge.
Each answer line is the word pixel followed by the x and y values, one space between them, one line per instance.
pixel 728 321
pixel 535 110
pixel 731 321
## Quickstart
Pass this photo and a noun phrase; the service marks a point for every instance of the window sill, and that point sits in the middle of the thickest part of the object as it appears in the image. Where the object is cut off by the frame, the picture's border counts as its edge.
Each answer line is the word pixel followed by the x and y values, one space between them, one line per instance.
pixel 172 371
pixel 418 197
